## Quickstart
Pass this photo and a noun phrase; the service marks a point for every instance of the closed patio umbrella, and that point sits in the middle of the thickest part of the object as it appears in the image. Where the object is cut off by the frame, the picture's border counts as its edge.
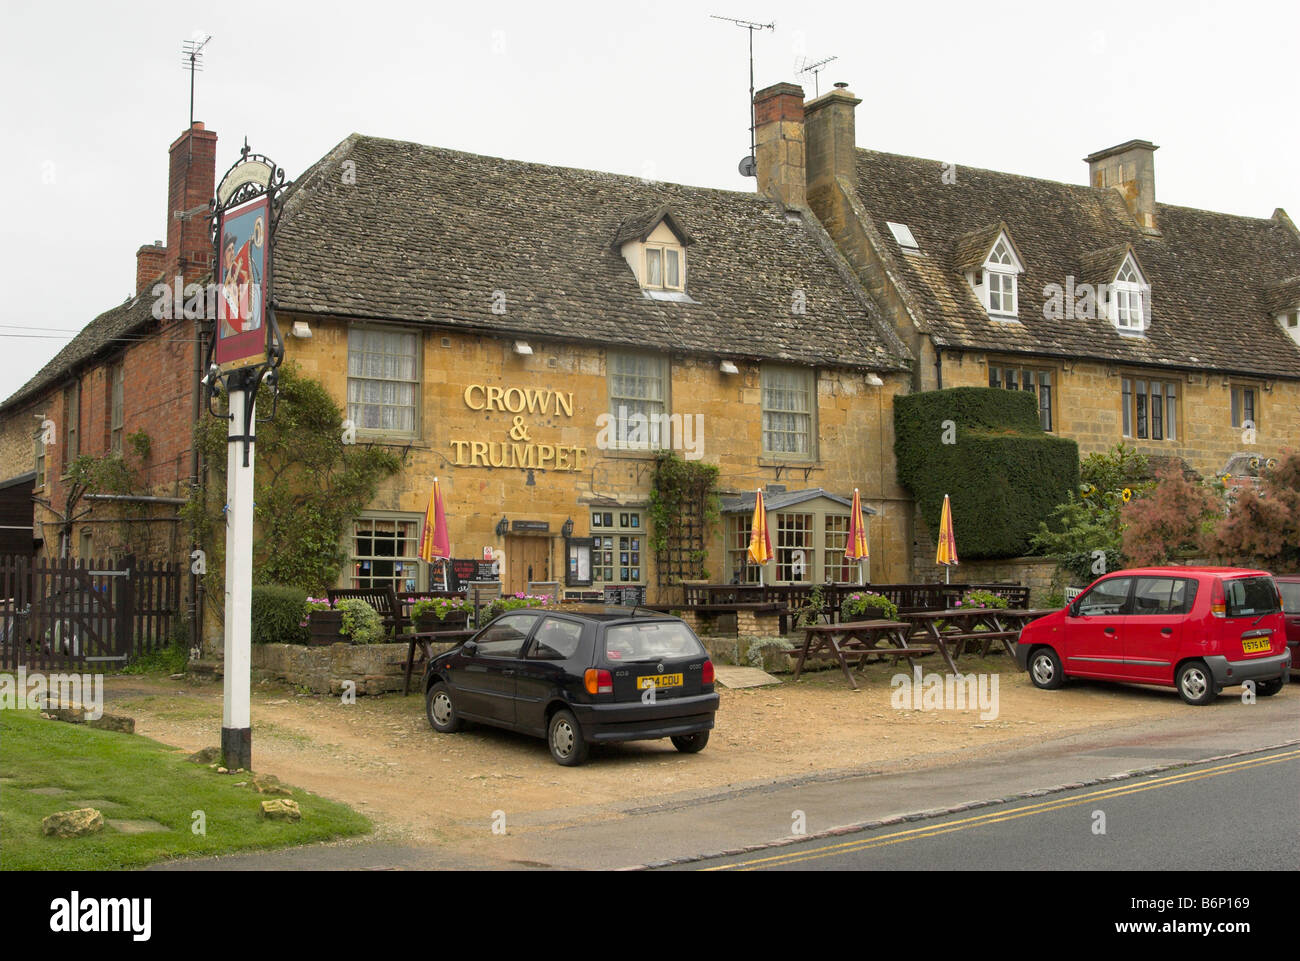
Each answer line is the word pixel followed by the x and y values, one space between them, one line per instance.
pixel 857 547
pixel 947 552
pixel 760 544
pixel 434 540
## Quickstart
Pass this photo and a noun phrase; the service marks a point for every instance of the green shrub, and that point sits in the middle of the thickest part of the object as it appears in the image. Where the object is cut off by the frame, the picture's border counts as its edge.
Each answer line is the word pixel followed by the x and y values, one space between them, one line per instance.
pixel 1003 472
pixel 867 605
pixel 277 614
pixel 361 622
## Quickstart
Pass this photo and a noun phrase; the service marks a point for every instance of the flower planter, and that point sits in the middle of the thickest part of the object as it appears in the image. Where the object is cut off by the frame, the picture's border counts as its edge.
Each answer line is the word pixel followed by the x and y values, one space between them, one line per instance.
pixel 324 627
pixel 455 620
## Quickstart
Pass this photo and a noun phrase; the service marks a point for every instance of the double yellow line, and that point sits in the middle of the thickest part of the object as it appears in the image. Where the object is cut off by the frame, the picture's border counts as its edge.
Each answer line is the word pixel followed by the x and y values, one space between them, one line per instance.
pixel 999 816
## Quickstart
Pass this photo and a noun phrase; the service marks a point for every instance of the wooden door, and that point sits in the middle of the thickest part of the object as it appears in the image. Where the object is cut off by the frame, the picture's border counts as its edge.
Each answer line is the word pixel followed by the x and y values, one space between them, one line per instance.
pixel 527 559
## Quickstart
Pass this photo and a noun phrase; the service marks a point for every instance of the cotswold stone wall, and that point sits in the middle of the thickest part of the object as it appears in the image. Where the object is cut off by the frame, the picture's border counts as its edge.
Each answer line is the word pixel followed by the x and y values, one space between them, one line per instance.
pixel 373 668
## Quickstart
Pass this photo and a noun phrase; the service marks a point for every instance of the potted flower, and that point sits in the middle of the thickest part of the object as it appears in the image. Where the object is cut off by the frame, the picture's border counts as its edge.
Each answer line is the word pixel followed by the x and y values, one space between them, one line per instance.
pixel 361 623
pixel 982 599
pixel 866 606
pixel 439 613
pixel 322 621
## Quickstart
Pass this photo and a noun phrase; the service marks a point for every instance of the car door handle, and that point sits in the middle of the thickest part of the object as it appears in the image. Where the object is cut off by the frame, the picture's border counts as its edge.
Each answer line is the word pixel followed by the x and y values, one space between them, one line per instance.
pixel 1110 630
pixel 1167 631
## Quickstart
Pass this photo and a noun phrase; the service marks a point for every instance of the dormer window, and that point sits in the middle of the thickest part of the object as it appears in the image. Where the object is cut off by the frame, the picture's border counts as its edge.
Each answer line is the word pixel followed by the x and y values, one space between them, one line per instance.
pixel 654 246
pixel 997 285
pixel 663 267
pixel 1127 298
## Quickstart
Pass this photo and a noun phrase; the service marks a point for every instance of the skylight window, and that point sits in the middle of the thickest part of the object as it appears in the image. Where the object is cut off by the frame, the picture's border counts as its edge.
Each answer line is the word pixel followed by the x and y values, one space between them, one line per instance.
pixel 903 234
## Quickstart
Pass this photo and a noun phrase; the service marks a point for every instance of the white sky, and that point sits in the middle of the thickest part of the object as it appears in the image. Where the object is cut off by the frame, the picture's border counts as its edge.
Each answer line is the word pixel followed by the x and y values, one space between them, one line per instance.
pixel 91 95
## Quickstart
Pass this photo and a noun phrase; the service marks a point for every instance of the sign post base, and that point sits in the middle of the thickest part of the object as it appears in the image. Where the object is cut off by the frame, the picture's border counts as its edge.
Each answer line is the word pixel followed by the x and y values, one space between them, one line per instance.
pixel 237 748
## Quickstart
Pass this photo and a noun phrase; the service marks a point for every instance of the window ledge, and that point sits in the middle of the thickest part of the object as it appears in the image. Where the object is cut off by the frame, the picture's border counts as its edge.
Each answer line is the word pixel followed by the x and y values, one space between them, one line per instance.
pixel 631 453
pixel 772 460
pixel 671 296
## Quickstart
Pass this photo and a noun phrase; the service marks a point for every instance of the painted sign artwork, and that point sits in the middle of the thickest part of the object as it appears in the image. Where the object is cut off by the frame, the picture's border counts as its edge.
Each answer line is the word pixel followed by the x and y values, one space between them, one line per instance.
pixel 241 273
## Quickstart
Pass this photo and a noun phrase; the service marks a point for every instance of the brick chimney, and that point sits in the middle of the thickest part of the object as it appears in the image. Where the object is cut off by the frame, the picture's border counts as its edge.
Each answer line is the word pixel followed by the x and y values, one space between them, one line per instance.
pixel 149 265
pixel 1131 168
pixel 778 123
pixel 191 182
pixel 831 137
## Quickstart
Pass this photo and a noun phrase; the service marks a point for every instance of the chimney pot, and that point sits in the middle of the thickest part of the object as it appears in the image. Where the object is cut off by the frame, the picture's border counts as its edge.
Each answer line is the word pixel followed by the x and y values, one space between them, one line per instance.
pixel 832 138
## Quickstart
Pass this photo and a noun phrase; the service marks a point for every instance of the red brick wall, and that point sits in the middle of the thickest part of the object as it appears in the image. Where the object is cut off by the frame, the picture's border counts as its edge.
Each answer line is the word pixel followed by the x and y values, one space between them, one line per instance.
pixel 149 262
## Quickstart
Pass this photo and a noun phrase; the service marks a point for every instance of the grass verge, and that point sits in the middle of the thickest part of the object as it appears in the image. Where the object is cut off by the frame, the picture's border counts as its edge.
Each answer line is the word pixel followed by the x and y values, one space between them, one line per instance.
pixel 132 778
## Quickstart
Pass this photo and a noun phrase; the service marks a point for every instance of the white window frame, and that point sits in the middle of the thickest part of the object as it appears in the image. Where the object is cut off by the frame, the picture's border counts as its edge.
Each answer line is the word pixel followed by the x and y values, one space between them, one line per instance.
pixel 663 250
pixel 1002 267
pixel 1127 299
pixel 632 404
pixel 809 378
pixel 356 408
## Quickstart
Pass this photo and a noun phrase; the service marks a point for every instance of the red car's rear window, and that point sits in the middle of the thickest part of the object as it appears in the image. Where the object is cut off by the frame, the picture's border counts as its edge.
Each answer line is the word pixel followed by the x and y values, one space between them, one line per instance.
pixel 1251 596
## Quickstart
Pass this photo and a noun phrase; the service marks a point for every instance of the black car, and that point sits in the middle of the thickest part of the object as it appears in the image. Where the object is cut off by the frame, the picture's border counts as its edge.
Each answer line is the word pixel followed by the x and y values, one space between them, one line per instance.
pixel 578 680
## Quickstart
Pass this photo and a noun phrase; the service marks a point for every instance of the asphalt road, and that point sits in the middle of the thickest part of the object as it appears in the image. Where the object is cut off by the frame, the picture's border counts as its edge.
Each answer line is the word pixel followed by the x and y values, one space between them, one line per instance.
pixel 1238 814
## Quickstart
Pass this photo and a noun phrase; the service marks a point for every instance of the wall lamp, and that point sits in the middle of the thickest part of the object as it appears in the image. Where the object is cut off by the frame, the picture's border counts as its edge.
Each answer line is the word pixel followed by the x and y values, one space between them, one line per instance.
pixel 728 367
pixel 502 527
pixel 301 329
pixel 523 347
pixel 567 528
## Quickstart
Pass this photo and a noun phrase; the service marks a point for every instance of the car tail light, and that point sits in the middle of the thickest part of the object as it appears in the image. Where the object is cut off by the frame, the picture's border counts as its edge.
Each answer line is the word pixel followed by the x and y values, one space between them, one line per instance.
pixel 1218 603
pixel 706 673
pixel 598 682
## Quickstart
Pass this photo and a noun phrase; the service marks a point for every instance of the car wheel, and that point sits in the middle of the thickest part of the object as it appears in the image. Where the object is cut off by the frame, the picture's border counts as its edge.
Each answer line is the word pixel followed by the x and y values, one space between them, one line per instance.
pixel 691 743
pixel 441 709
pixel 1268 688
pixel 1196 683
pixel 1045 669
pixel 564 737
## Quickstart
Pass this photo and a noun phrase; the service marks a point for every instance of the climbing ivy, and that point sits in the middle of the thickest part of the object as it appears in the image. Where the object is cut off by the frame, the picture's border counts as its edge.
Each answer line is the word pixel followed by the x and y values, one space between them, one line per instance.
pixel 307 486
pixel 683 508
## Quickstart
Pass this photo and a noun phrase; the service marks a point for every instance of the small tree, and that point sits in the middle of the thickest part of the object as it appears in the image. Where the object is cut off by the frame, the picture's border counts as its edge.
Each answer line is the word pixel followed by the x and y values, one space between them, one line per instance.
pixel 1262 528
pixel 1176 515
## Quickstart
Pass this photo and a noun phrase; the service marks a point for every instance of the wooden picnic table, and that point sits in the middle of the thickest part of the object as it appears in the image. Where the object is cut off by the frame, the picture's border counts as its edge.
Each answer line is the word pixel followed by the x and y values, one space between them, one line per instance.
pixel 857 637
pixel 957 626
pixel 425 639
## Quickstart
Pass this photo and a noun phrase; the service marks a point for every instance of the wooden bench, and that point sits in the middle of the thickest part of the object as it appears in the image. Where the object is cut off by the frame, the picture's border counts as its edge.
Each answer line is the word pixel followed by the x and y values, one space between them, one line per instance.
pixel 836 641
pixel 382 599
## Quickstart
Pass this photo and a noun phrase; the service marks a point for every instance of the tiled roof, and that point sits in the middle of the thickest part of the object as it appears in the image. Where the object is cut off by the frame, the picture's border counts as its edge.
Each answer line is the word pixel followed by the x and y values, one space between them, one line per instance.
pixel 640 227
pixel 779 500
pixel 971 249
pixel 1283 296
pixel 1209 272
pixel 112 329
pixel 426 235
pixel 1098 267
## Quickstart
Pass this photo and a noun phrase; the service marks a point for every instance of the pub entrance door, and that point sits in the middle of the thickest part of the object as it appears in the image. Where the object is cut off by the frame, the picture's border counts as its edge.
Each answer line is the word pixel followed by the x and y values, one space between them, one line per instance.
pixel 527 559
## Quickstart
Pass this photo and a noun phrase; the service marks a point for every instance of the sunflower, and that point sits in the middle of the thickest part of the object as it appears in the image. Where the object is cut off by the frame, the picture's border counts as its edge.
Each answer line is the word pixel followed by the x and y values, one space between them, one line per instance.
pixel 1127 495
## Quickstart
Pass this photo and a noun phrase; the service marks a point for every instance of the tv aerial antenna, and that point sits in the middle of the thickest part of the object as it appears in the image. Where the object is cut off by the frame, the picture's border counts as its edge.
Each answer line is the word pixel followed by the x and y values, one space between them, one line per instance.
pixel 192 60
pixel 749 165
pixel 805 66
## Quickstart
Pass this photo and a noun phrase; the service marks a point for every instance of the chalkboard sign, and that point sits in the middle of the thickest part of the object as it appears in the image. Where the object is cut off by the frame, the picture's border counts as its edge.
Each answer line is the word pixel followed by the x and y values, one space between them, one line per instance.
pixel 485 571
pixel 464 568
pixel 625 596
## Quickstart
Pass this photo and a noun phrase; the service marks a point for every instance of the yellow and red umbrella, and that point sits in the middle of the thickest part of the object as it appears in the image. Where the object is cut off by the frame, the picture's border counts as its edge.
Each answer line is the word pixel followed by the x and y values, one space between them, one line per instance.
pixel 857 548
pixel 947 552
pixel 434 541
pixel 760 544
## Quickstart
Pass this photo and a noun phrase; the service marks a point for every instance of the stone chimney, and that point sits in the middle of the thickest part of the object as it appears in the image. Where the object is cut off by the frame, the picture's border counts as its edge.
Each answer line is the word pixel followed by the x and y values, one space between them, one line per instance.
pixel 831 137
pixel 149 261
pixel 191 182
pixel 1131 168
pixel 778 130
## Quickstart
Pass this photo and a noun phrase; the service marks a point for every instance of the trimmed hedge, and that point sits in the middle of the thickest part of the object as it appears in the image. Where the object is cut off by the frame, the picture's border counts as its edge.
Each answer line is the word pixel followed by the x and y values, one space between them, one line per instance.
pixel 1004 474
pixel 277 615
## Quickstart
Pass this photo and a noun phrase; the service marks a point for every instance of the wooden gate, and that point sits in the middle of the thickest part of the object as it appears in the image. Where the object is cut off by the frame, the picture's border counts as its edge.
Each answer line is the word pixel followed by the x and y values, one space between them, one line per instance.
pixel 70 613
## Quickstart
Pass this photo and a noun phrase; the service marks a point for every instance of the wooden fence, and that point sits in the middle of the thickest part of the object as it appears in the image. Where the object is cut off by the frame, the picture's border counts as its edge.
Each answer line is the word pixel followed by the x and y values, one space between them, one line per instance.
pixel 75 613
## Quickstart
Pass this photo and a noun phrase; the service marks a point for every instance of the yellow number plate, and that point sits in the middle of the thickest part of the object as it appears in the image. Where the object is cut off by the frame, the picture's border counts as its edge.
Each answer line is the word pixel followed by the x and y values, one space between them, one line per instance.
pixel 658 680
pixel 1252 645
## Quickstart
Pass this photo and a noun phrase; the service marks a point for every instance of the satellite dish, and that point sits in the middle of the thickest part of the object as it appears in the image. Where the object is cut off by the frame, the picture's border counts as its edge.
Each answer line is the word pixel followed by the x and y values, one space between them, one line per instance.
pixel 748 167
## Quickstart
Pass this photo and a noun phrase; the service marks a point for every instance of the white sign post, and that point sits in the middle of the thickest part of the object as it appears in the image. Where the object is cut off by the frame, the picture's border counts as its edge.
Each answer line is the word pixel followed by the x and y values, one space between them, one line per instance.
pixel 236 721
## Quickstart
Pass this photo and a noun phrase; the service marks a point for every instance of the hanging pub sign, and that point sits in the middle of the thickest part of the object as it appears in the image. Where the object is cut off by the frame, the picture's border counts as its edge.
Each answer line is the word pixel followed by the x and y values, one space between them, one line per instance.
pixel 244 216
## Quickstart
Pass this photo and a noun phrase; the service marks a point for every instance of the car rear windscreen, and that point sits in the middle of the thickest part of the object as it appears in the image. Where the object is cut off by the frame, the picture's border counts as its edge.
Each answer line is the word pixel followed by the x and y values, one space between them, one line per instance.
pixel 1251 596
pixel 635 642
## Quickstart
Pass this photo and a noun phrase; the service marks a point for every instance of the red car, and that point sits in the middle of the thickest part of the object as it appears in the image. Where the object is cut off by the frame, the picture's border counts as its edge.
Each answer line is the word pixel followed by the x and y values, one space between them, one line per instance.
pixel 1198 629
pixel 1289 585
